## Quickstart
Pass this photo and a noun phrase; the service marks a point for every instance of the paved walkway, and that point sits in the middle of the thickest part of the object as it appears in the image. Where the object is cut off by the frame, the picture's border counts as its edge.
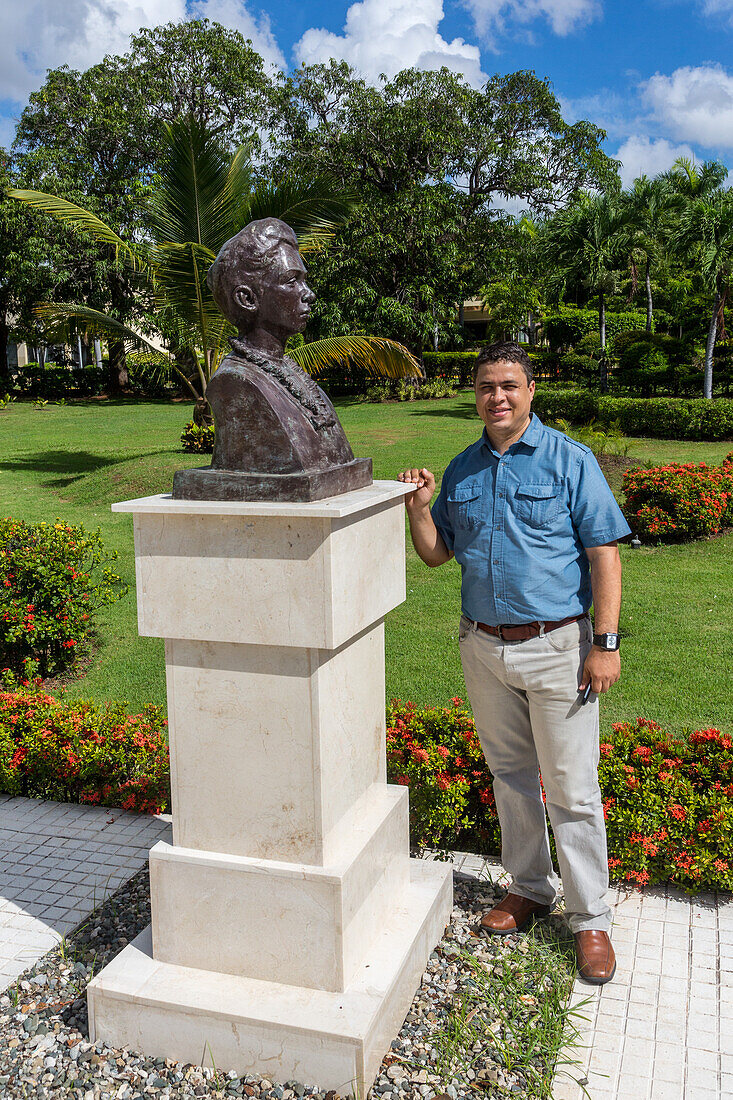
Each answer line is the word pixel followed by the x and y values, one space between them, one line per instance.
pixel 662 1030
pixel 58 862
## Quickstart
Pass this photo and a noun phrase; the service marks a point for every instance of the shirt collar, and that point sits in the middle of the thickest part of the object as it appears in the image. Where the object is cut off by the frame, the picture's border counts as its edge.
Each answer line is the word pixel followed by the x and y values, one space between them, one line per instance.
pixel 530 438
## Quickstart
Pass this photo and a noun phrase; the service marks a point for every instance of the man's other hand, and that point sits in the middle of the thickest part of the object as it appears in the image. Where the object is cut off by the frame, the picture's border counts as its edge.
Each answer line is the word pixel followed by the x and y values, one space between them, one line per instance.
pixel 602 669
pixel 424 482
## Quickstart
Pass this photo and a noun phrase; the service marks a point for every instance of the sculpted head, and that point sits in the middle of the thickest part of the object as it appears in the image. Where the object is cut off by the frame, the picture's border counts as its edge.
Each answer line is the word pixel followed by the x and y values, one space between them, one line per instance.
pixel 258 283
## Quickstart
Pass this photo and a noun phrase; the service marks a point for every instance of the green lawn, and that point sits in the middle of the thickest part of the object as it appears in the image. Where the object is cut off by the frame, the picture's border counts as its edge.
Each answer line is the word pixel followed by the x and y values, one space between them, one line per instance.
pixel 74 461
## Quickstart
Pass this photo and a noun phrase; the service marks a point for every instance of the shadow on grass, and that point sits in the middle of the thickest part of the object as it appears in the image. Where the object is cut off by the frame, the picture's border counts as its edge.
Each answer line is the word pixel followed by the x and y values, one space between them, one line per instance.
pixel 75 464
pixel 467 413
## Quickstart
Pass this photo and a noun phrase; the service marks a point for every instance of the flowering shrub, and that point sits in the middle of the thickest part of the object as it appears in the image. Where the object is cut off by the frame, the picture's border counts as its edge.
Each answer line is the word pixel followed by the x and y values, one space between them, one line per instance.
pixel 668 802
pixel 436 752
pixel 78 752
pixel 679 501
pixel 196 440
pixel 53 577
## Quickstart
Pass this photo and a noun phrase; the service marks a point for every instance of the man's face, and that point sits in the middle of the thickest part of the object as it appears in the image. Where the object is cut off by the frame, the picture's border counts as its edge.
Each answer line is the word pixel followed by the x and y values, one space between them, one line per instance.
pixel 503 398
pixel 284 303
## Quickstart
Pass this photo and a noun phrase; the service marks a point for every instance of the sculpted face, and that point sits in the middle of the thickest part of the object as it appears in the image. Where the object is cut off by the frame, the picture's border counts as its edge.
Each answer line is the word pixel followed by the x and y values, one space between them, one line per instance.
pixel 258 282
pixel 279 299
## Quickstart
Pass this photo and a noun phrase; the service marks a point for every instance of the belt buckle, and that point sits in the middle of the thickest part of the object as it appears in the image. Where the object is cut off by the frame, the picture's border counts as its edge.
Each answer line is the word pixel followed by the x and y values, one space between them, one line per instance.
pixel 500 629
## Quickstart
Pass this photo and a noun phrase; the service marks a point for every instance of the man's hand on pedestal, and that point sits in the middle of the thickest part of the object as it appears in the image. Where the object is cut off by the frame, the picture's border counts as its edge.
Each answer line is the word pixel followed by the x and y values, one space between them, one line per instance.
pixel 424 482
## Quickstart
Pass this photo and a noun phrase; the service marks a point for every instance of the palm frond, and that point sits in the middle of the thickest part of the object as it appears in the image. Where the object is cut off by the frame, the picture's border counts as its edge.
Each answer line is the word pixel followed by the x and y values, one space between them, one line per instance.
pixel 374 355
pixel 62 321
pixel 312 208
pixel 71 214
pixel 194 201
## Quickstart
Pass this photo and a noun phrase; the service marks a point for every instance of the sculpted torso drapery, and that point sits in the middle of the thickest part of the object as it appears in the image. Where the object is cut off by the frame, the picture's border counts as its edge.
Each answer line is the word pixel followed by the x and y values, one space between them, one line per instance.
pixel 277 434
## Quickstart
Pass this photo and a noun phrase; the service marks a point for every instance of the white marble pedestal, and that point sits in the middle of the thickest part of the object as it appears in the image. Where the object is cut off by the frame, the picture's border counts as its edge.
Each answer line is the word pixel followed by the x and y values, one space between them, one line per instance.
pixel 290 928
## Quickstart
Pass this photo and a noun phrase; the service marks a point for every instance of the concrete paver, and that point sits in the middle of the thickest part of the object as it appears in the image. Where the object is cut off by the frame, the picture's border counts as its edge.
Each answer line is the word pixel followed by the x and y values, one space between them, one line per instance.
pixel 58 862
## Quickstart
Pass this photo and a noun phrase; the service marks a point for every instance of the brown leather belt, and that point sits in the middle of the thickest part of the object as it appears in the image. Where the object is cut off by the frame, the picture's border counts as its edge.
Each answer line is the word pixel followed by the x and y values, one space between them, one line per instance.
pixel 520 632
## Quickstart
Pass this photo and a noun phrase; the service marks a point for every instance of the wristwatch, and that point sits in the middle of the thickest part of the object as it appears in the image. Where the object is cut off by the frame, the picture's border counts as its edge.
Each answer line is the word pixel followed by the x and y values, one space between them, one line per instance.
pixel 610 642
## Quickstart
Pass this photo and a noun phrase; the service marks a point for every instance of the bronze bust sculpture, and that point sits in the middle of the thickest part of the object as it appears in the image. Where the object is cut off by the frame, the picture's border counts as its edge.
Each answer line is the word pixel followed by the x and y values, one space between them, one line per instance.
pixel 277 434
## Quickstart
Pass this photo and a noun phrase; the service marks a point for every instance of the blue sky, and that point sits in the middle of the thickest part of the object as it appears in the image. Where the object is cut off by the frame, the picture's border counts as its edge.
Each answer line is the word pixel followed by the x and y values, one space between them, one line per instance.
pixel 653 73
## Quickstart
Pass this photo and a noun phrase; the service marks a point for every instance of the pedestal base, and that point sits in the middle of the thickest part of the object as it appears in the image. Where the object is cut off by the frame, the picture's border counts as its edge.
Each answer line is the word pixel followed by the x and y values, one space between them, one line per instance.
pixel 333 1040
pixel 208 483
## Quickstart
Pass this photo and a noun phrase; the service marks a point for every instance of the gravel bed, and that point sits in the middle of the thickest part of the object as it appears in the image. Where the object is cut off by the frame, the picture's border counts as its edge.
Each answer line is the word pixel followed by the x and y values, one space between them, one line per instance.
pixel 45 1051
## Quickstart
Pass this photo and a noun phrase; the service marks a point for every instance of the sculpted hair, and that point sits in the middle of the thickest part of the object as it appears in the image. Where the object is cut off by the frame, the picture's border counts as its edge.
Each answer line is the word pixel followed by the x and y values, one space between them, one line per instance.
pixel 243 259
pixel 505 351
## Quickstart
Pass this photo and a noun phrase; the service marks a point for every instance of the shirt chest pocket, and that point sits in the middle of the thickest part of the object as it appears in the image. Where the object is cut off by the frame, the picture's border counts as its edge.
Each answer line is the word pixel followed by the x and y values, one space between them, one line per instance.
pixel 538 504
pixel 464 506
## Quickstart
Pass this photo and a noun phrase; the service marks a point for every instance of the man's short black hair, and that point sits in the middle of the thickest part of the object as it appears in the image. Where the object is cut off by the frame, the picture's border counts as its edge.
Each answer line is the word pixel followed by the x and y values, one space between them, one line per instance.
pixel 505 351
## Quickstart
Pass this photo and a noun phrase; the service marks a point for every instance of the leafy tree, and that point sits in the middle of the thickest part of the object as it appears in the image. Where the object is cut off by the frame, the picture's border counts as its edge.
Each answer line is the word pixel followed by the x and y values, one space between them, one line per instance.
pixel 432 160
pixel 201 200
pixel 95 138
pixel 650 205
pixel 587 240
pixel 705 236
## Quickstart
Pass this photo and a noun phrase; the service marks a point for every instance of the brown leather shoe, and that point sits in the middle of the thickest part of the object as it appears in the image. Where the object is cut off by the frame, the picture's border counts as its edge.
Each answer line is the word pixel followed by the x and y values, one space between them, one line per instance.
pixel 594 953
pixel 513 914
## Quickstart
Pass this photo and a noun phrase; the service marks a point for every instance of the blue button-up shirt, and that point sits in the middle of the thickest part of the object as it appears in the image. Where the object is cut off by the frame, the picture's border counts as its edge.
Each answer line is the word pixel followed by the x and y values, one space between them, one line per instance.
pixel 519 522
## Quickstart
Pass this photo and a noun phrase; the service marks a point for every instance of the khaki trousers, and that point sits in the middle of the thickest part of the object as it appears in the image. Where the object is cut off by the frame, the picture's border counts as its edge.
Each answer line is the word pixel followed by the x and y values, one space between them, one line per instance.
pixel 525 702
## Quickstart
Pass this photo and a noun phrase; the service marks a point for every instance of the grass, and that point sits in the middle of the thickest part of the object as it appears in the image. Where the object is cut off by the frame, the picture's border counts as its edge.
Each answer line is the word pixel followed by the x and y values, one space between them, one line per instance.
pixel 73 461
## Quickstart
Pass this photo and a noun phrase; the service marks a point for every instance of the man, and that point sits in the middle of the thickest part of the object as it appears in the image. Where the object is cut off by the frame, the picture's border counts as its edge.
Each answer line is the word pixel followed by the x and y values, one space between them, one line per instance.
pixel 531 520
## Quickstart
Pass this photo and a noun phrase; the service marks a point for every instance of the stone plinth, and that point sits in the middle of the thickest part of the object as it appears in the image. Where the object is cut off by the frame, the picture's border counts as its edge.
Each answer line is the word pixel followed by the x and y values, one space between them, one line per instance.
pixel 290 927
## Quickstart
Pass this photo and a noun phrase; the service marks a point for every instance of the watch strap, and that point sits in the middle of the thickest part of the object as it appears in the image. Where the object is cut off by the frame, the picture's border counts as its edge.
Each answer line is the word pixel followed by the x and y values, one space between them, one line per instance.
pixel 609 642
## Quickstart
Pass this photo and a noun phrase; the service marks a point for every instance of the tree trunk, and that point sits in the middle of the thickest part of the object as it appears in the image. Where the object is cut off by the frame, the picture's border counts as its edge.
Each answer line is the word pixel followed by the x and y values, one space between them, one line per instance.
pixel 118 377
pixel 4 337
pixel 649 303
pixel 602 318
pixel 710 347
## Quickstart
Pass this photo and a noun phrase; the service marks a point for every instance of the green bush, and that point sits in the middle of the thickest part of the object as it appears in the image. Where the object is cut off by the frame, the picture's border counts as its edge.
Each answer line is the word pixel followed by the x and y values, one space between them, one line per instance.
pixel 668 804
pixel 565 327
pixel 668 801
pixel 53 577
pixel 196 440
pixel 51 383
pixel 679 501
pixel 436 752
pixel 578 368
pixel 576 405
pixel 659 417
pixel 408 389
pixel 455 366
pixel 79 752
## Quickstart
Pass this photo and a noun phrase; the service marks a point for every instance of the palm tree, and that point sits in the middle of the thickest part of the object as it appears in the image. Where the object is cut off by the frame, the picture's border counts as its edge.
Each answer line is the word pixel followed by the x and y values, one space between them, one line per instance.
pixel 586 240
pixel 705 235
pixel 204 198
pixel 695 181
pixel 650 204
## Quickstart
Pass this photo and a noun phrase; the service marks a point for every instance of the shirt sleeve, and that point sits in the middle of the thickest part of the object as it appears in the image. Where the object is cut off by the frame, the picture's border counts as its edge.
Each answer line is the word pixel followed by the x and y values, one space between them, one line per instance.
pixel 439 512
pixel 596 515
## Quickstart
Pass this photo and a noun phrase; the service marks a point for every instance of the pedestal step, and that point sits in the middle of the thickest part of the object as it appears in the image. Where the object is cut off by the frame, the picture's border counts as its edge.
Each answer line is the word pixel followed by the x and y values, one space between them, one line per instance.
pixel 333 1040
pixel 295 923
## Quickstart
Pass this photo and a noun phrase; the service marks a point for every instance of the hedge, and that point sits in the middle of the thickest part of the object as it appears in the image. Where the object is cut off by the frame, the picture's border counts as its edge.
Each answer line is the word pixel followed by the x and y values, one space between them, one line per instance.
pixel 667 799
pixel 450 365
pixel 52 383
pixel 660 417
pixel 565 327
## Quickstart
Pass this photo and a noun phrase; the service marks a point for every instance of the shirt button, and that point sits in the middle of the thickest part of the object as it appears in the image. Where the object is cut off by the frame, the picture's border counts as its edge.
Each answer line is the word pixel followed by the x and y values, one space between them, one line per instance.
pixel 496 561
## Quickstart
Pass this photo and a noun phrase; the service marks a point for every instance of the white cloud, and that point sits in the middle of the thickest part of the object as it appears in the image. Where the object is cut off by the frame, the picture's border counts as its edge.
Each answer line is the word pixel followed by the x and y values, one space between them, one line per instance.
pixel 717 7
pixel 496 17
pixel 643 156
pixel 385 36
pixel 694 104
pixel 36 35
